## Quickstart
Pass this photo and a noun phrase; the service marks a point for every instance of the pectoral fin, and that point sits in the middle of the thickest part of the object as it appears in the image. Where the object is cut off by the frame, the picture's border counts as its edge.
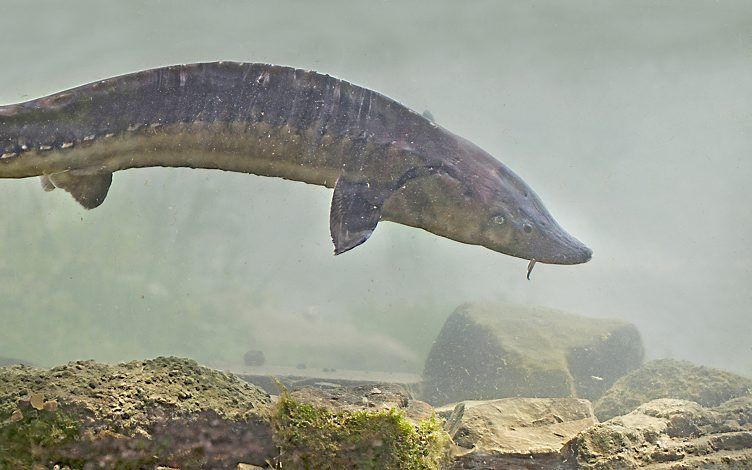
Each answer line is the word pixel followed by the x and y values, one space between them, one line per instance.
pixel 46 183
pixel 89 190
pixel 355 211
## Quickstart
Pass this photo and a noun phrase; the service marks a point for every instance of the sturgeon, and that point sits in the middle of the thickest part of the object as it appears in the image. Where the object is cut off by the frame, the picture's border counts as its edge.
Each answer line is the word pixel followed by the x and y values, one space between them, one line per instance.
pixel 384 161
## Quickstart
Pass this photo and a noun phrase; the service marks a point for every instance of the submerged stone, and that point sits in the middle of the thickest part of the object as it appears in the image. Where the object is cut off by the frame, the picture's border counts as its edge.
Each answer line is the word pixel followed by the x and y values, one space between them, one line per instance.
pixel 487 351
pixel 174 413
pixel 356 427
pixel 141 413
pixel 668 378
pixel 10 361
pixel 669 434
pixel 254 357
pixel 517 432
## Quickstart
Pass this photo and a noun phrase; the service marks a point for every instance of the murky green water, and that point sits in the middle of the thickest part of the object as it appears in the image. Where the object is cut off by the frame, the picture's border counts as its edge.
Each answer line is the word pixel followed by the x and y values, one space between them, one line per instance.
pixel 631 120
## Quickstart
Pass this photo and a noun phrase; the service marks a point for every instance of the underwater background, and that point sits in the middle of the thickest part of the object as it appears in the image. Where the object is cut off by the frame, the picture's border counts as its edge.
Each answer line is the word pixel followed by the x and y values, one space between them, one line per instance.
pixel 631 120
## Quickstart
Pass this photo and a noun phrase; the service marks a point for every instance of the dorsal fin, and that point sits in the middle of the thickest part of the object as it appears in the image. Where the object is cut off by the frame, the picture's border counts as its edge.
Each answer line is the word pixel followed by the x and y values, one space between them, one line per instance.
pixel 89 190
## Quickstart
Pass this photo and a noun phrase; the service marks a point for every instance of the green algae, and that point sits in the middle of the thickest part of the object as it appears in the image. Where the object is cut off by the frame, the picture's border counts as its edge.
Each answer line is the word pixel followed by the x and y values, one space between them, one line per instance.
pixel 316 437
pixel 35 436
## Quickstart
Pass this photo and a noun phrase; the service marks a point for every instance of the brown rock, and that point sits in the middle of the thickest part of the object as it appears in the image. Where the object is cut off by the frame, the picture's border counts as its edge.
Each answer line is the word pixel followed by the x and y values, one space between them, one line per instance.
pixel 517 432
pixel 50 406
pixel 37 401
pixel 670 434
pixel 668 378
pixel 140 414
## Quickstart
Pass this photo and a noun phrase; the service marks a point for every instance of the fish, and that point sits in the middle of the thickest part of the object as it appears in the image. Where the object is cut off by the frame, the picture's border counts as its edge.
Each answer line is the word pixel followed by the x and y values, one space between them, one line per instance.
pixel 384 161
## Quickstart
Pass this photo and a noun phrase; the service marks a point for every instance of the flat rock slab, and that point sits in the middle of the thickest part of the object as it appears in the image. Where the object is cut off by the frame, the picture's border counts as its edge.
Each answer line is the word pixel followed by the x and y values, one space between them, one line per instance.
pixel 670 434
pixel 488 351
pixel 517 432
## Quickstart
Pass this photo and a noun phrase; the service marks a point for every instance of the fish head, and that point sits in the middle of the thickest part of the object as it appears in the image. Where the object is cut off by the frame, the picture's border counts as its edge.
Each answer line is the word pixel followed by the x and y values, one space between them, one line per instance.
pixel 475 199
pixel 511 218
pixel 515 222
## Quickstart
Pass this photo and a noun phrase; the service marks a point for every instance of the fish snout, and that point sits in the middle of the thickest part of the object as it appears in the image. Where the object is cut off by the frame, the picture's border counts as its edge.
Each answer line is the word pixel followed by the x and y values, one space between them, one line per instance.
pixel 565 250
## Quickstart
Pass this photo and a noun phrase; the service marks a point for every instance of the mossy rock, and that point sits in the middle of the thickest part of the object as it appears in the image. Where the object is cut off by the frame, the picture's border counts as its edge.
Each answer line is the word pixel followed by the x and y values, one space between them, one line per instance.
pixel 488 351
pixel 668 378
pixel 141 413
pixel 320 434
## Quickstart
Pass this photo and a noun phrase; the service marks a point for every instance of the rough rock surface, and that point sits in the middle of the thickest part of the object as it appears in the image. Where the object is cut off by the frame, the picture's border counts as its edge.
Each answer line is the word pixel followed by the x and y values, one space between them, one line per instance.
pixel 670 434
pixel 359 427
pixel 516 432
pixel 268 378
pixel 11 361
pixel 365 397
pixel 488 351
pixel 668 378
pixel 166 411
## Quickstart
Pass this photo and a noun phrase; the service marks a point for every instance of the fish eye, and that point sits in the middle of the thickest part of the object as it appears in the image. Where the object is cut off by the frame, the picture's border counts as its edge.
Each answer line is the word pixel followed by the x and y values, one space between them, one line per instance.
pixel 527 228
pixel 498 219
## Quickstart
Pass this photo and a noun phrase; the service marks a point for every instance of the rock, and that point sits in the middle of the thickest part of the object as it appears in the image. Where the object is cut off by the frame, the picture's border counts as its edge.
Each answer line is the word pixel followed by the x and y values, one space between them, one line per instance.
pixel 165 411
pixel 670 434
pixel 254 357
pixel 269 377
pixel 487 351
pixel 358 427
pixel 10 361
pixel 668 378
pixel 36 400
pixel 359 397
pixel 516 432
pixel 172 413
pixel 16 416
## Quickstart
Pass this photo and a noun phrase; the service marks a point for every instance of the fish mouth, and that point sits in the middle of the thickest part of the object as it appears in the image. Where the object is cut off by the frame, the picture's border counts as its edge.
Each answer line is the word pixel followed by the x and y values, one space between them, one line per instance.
pixel 582 256
pixel 556 246
pixel 569 250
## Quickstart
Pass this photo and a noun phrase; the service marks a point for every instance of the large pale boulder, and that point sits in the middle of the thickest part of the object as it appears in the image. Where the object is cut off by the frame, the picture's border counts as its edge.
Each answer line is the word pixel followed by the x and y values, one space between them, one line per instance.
pixel 487 351
pixel 516 432
pixel 670 434
pixel 668 378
